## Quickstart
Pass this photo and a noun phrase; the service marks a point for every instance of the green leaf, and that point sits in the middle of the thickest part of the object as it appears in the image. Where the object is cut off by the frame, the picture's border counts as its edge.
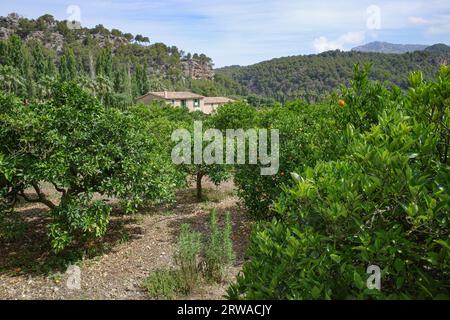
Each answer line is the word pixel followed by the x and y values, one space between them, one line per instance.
pixel 358 280
pixel 296 177
pixel 443 243
pixel 315 292
pixel 335 258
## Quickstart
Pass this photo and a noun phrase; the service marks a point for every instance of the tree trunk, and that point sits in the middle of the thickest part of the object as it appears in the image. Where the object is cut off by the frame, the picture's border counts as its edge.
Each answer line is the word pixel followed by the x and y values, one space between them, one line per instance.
pixel 199 186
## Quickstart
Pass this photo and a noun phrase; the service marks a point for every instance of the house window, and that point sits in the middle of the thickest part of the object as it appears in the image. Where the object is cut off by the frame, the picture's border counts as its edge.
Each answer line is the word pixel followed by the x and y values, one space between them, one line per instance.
pixel 196 103
pixel 183 104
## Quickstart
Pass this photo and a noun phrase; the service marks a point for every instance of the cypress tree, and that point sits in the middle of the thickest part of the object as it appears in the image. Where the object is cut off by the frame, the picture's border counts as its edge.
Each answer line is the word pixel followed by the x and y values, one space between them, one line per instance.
pixel 68 66
pixel 39 62
pixel 105 63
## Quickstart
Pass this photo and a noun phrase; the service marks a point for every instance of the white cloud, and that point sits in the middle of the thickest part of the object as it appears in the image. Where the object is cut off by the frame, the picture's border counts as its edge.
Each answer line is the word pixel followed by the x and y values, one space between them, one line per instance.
pixel 435 26
pixel 418 20
pixel 350 38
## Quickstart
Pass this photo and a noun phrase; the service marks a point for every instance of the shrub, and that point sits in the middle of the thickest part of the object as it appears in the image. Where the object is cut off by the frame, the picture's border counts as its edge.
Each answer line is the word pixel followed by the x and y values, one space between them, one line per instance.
pixel 187 257
pixel 190 256
pixel 163 284
pixel 229 255
pixel 219 252
pixel 364 100
pixel 213 252
pixel 430 103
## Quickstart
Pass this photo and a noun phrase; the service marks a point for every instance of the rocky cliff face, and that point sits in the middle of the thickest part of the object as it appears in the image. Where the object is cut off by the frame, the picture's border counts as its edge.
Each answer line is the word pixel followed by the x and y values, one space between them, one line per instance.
pixel 444 60
pixel 8 25
pixel 197 70
pixel 51 40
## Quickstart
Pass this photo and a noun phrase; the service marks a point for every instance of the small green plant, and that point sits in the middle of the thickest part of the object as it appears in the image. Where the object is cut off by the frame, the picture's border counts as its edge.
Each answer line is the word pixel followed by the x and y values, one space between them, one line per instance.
pixel 168 213
pixel 219 252
pixel 163 284
pixel 229 255
pixel 187 257
pixel 139 218
pixel 213 254
pixel 124 237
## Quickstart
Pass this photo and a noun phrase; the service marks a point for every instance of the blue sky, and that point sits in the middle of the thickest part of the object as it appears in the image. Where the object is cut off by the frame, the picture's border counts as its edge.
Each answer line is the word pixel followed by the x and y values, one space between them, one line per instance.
pixel 248 31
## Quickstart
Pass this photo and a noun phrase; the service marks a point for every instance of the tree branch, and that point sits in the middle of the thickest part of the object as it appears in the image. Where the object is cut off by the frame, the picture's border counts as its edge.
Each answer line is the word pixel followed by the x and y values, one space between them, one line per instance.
pixel 62 190
pixel 42 198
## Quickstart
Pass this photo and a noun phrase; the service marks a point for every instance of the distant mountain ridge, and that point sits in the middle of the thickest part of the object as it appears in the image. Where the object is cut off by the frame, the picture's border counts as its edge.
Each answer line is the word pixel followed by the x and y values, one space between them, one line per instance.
pixel 386 47
pixel 312 77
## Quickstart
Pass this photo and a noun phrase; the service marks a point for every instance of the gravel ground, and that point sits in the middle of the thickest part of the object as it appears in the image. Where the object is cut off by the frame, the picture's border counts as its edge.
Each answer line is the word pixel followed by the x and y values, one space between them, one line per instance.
pixel 116 267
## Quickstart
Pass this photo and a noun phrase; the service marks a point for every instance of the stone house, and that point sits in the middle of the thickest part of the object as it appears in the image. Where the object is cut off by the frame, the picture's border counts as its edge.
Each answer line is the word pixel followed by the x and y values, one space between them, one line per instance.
pixel 191 101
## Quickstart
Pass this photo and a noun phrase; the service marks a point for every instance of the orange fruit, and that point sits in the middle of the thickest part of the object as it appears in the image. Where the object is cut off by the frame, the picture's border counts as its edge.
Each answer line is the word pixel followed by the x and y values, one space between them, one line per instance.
pixel 341 103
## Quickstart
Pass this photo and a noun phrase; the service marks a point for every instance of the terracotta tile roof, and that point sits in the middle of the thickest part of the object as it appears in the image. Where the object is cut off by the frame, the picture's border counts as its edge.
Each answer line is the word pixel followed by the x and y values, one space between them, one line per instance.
pixel 172 95
pixel 217 100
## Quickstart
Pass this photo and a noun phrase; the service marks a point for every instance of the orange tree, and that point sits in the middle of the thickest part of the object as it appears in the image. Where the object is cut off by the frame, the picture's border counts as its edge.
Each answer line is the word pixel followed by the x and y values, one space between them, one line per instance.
pixel 307 133
pixel 81 148
pixel 385 202
pixel 215 172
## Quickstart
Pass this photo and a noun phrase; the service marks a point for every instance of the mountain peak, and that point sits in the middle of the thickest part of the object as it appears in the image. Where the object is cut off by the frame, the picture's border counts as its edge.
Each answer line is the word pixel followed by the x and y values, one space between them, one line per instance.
pixel 438 48
pixel 386 47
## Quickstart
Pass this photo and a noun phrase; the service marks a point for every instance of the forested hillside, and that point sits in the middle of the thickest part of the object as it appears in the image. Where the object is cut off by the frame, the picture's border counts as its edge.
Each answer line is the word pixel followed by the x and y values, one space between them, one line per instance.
pixel 117 67
pixel 313 76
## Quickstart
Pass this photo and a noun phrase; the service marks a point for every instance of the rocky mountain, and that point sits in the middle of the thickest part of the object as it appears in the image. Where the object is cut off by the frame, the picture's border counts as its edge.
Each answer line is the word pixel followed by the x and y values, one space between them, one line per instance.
pixel 57 35
pixel 54 34
pixel 386 47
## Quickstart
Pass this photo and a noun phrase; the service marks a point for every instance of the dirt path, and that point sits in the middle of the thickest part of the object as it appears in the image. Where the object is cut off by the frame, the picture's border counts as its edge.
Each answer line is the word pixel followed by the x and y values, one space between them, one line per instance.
pixel 133 247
